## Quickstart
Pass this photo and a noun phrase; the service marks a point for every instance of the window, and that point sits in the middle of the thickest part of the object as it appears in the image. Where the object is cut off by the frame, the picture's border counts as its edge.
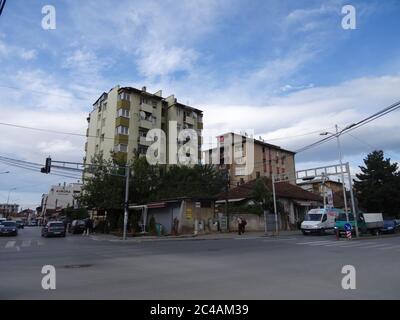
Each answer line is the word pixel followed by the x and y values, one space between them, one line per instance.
pixel 103 122
pixel 123 113
pixel 257 174
pixel 240 171
pixel 122 130
pixel 124 96
pixel 102 138
pixel 143 133
pixel 154 103
pixel 98 133
pixel 142 149
pixel 121 148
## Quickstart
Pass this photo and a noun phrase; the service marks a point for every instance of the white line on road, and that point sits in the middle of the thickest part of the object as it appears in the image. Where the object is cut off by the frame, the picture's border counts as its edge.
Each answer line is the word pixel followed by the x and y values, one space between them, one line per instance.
pixel 40 243
pixel 352 244
pixel 26 243
pixel 390 247
pixel 10 244
pixel 314 242
pixel 375 246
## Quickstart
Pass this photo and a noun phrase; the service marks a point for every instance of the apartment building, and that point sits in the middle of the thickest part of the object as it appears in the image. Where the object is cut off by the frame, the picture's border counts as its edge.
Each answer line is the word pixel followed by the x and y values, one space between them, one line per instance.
pixel 268 160
pixel 7 209
pixel 121 119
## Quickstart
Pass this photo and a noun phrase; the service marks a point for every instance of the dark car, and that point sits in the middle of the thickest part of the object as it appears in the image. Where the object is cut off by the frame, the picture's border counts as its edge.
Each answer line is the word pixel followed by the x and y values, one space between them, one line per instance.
pixel 20 224
pixel 389 226
pixel 8 228
pixel 77 226
pixel 54 228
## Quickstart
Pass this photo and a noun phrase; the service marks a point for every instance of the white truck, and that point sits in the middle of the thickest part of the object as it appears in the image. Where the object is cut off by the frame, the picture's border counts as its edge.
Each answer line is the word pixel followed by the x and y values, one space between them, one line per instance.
pixel 319 220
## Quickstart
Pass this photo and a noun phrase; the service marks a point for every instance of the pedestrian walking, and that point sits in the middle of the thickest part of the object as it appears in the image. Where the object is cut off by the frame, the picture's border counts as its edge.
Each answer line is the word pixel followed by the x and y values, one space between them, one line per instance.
pixel 244 222
pixel 239 223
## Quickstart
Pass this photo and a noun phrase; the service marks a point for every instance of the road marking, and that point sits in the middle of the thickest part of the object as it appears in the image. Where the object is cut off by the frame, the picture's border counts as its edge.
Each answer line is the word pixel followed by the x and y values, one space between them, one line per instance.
pixel 390 247
pixel 26 243
pixel 350 244
pixel 375 246
pixel 314 242
pixel 10 244
pixel 39 243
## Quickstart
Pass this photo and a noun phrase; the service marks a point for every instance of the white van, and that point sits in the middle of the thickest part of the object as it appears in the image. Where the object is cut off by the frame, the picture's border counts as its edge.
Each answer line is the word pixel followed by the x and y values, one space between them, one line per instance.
pixel 319 220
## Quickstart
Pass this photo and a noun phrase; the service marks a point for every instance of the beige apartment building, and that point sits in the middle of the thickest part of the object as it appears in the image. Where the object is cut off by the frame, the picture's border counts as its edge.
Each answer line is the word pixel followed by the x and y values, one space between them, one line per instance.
pixel 121 119
pixel 268 159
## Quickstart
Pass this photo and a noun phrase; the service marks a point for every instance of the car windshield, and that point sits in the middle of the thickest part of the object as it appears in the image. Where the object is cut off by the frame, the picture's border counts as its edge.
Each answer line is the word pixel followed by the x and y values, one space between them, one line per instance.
pixel 313 217
pixel 57 224
pixel 8 223
pixel 342 217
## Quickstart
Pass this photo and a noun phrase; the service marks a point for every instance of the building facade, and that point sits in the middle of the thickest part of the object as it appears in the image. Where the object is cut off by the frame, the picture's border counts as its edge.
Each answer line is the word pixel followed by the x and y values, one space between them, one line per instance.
pixel 7 209
pixel 268 160
pixel 121 119
pixel 60 197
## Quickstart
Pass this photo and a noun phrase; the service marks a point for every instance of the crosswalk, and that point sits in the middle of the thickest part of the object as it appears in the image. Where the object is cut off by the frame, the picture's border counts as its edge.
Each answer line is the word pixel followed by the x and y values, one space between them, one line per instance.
pixel 379 245
pixel 19 244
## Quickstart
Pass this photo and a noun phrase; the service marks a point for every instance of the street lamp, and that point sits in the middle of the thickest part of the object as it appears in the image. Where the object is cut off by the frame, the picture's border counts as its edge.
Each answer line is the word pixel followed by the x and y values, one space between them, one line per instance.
pixel 8 199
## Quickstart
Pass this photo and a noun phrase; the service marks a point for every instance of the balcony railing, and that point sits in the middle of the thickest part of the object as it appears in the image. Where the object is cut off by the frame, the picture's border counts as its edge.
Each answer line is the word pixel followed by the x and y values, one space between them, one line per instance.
pixel 146 107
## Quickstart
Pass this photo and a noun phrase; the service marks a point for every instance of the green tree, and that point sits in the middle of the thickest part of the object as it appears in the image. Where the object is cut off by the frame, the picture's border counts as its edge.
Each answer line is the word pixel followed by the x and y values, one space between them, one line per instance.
pixel 103 189
pixel 378 185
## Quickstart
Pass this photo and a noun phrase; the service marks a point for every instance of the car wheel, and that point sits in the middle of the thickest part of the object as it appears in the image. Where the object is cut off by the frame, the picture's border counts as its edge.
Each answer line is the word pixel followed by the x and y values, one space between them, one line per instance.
pixel 305 233
pixel 322 231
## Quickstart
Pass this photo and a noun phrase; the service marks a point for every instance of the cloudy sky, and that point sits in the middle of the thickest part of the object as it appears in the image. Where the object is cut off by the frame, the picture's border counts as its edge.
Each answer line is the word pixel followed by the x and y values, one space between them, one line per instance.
pixel 285 69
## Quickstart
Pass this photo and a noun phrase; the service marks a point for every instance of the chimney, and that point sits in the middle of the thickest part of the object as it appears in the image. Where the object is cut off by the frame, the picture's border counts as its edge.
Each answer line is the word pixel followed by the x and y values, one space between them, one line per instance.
pixel 144 89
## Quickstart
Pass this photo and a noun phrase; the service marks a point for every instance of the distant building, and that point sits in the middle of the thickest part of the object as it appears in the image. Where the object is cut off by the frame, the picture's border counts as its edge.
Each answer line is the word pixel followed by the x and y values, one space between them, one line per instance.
pixel 60 197
pixel 269 160
pixel 8 209
pixel 333 189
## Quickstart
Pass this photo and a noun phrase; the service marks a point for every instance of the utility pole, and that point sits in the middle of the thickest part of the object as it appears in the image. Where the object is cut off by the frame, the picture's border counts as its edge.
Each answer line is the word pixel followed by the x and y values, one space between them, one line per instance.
pixel 275 209
pixel 126 205
pixel 341 172
pixel 353 205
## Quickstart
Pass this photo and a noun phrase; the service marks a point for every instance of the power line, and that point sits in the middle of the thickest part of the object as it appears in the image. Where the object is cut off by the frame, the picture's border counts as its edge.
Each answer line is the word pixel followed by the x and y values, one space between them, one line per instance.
pixel 354 126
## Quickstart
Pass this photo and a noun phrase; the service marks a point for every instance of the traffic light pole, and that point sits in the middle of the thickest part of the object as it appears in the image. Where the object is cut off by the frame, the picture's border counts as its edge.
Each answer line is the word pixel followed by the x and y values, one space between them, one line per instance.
pixel 126 203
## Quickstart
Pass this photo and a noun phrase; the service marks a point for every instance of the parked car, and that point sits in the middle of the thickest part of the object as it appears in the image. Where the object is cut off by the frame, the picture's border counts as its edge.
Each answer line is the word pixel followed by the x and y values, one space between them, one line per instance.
pixel 389 226
pixel 54 228
pixel 77 226
pixel 20 224
pixel 33 223
pixel 319 220
pixel 8 228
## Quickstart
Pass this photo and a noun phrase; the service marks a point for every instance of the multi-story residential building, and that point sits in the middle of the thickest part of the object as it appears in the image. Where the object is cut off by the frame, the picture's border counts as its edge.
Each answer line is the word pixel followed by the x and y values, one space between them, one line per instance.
pixel 268 160
pixel 7 209
pixel 60 197
pixel 121 119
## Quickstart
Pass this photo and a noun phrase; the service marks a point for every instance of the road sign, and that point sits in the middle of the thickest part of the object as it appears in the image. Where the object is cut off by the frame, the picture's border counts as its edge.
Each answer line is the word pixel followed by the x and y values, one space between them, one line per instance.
pixel 347 227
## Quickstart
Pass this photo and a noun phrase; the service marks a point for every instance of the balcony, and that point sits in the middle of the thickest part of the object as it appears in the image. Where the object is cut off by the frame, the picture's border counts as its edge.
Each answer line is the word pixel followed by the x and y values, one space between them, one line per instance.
pixel 146 107
pixel 120 157
pixel 200 125
pixel 121 139
pixel 189 120
pixel 145 124
pixel 122 121
pixel 125 104
pixel 86 146
pixel 142 141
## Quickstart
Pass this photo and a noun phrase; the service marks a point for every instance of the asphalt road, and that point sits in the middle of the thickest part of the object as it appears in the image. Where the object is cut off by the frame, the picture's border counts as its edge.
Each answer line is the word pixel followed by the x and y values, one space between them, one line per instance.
pixel 291 267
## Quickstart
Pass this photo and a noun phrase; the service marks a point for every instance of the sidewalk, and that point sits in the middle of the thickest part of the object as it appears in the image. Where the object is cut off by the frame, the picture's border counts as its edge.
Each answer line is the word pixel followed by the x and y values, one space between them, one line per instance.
pixel 192 237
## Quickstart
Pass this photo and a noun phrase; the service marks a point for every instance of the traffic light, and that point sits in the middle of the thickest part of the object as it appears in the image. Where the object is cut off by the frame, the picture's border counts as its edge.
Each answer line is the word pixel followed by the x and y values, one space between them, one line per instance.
pixel 47 166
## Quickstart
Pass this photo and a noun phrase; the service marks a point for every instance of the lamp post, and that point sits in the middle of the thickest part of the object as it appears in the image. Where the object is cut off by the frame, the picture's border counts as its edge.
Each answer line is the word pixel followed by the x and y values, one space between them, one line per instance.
pixel 337 135
pixel 8 199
